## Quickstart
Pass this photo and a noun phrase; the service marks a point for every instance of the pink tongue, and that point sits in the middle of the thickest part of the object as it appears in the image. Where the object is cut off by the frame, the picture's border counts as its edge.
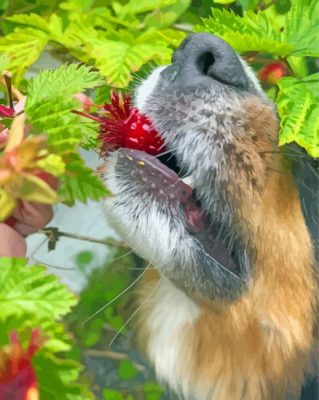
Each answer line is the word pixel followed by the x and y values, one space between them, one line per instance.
pixel 154 173
pixel 195 217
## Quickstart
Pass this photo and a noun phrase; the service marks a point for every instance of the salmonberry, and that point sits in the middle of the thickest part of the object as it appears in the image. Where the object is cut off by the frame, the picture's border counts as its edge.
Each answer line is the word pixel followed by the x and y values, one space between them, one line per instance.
pixel 122 125
pixel 271 73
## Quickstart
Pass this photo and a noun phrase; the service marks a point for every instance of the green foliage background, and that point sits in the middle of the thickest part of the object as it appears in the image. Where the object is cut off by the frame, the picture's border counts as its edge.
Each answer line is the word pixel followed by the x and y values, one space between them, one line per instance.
pixel 110 44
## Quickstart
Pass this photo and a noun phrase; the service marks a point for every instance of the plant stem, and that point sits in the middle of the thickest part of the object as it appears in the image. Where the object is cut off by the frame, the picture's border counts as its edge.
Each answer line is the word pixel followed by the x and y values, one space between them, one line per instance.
pixel 5 80
pixel 113 355
pixel 55 233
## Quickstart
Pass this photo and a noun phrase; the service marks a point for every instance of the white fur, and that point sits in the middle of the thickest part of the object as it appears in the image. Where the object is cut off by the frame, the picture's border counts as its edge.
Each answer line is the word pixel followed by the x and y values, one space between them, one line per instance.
pixel 171 314
pixel 146 88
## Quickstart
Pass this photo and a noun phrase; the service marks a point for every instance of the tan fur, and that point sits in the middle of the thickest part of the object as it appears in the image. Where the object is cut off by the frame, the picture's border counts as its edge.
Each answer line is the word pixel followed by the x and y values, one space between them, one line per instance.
pixel 258 346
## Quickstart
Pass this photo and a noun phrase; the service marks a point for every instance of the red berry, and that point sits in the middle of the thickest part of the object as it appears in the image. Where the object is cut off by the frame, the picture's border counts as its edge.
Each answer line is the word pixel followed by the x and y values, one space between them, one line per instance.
pixel 122 125
pixel 272 72
pixel 6 112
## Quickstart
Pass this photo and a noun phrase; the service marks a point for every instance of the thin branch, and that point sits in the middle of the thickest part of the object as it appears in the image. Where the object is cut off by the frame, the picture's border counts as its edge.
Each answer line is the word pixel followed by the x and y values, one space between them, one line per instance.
pixel 54 233
pixel 113 355
pixel 287 66
pixel 4 79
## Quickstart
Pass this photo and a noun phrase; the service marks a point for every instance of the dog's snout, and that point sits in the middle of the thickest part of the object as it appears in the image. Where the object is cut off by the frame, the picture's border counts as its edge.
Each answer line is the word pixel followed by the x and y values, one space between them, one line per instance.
pixel 202 57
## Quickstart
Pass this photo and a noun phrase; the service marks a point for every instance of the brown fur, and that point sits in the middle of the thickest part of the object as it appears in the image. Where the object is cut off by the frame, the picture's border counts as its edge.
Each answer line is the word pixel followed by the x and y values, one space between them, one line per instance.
pixel 258 346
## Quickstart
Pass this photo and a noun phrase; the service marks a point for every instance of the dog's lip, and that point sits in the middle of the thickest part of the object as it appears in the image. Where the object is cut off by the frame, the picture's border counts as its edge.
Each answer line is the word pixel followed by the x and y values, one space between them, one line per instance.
pixel 166 180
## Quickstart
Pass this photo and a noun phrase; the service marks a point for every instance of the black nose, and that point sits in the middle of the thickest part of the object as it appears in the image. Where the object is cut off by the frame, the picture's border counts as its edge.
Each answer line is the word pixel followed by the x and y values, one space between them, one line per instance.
pixel 202 57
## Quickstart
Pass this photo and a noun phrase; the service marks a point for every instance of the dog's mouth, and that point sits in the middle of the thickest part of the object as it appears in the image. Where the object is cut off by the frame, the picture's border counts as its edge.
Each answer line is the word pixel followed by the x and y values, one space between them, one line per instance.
pixel 158 178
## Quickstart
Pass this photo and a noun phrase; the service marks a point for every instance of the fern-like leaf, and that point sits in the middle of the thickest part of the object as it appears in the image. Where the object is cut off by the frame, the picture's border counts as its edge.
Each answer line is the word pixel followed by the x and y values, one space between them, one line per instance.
pixel 297 36
pixel 298 107
pixel 80 183
pixel 65 81
pixel 30 290
pixel 118 59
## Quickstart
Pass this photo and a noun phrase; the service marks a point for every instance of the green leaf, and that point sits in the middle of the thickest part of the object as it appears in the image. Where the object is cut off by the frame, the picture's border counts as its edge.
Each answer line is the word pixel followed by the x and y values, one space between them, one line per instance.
pixel 80 182
pixel 109 394
pixel 298 35
pixel 50 103
pixel 152 391
pixel 140 6
pixel 253 32
pixel 118 59
pixel 298 107
pixel 30 20
pixel 163 18
pixel 224 1
pixel 65 81
pixel 76 5
pixel 31 290
pixel 248 4
pixel 4 62
pixel 127 370
pixel 23 47
pixel 53 164
pixel 57 376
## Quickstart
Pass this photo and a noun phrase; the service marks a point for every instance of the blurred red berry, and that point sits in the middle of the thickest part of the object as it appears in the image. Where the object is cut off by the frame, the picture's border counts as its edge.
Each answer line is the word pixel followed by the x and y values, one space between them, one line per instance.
pixel 84 100
pixel 122 125
pixel 6 112
pixel 271 73
pixel 18 380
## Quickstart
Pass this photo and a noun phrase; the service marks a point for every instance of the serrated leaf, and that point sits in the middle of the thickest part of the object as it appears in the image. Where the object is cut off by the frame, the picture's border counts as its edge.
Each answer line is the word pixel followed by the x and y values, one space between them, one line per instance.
pixel 57 376
pixel 118 59
pixel 65 81
pixel 23 47
pixel 50 102
pixel 54 118
pixel 31 290
pixel 298 107
pixel 31 20
pixel 57 339
pixel 297 36
pixel 249 33
pixel 80 182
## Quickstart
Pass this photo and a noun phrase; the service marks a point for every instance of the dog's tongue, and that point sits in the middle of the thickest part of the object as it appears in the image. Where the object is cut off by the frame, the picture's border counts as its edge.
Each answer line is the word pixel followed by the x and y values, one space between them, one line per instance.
pixel 163 183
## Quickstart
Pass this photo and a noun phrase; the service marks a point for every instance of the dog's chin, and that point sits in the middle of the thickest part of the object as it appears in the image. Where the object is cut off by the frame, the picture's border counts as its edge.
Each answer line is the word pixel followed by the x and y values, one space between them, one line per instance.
pixel 157 213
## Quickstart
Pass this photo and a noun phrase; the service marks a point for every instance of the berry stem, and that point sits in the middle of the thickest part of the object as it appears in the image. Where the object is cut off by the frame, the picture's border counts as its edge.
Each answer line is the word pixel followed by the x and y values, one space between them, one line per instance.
pixel 83 114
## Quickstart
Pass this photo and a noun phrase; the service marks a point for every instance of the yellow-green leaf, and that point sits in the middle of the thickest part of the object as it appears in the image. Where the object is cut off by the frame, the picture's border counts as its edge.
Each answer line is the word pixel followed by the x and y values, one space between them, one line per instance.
pixel 117 59
pixel 53 164
pixel 23 47
pixel 7 205
pixel 298 107
pixel 32 188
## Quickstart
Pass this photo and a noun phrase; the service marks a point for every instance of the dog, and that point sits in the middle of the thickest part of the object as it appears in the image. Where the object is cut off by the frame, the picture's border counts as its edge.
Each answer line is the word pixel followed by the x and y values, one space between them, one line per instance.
pixel 227 301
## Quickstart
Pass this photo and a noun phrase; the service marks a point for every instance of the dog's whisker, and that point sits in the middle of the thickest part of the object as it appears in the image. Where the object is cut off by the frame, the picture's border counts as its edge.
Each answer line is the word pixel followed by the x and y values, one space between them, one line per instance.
pixel 136 311
pixel 116 297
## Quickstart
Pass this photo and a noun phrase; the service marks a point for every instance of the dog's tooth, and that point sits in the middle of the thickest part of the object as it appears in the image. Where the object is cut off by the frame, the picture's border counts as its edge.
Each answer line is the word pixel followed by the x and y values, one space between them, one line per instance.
pixel 189 181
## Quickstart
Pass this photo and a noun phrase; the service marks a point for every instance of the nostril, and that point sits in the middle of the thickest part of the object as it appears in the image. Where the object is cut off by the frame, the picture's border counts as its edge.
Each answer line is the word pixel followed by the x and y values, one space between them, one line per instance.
pixel 205 61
